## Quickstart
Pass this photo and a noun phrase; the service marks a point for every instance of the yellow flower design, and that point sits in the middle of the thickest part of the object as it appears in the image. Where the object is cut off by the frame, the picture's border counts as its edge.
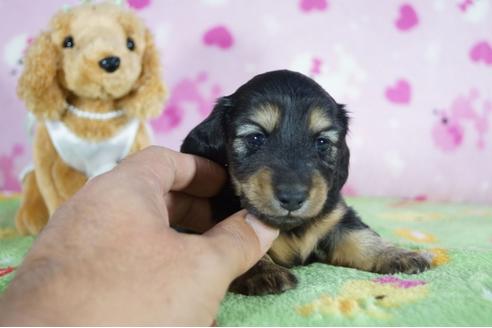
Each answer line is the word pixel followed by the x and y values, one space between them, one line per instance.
pixel 439 256
pixel 366 298
pixel 416 235
pixel 411 216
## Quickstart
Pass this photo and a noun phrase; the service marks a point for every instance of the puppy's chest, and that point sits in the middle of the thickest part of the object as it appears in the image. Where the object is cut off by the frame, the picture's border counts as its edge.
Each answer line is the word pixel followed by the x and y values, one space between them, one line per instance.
pixel 289 249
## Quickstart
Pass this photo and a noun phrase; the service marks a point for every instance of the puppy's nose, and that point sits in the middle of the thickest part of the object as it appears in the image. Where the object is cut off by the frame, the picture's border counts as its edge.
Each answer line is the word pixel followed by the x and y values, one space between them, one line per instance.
pixel 291 197
pixel 110 64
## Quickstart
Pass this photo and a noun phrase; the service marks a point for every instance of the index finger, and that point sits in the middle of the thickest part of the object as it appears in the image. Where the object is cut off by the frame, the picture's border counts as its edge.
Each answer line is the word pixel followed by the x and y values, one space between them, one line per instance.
pixel 170 170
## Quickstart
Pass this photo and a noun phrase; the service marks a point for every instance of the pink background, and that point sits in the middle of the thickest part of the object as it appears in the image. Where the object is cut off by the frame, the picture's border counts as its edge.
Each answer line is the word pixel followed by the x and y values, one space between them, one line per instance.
pixel 416 76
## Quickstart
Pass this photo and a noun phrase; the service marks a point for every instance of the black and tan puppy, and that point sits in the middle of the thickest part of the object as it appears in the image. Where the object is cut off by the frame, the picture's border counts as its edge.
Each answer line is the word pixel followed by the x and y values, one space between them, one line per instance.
pixel 282 139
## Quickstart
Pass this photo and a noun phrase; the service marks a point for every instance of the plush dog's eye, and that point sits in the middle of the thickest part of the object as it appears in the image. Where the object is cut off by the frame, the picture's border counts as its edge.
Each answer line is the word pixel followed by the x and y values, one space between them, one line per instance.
pixel 256 139
pixel 68 42
pixel 130 44
pixel 322 143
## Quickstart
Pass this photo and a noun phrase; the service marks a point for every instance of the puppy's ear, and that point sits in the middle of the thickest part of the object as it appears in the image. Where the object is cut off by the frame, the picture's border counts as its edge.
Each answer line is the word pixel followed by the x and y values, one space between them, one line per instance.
pixel 147 98
pixel 342 168
pixel 343 162
pixel 209 137
pixel 38 85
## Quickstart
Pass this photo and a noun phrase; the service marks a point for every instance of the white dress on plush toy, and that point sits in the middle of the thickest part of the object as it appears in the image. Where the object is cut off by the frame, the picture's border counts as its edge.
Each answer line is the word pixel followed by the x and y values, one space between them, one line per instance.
pixel 92 158
pixel 88 157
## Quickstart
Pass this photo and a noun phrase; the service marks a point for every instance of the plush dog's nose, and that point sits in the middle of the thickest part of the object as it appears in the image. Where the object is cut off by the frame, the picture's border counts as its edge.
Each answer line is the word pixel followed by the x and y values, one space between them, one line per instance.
pixel 110 64
pixel 291 197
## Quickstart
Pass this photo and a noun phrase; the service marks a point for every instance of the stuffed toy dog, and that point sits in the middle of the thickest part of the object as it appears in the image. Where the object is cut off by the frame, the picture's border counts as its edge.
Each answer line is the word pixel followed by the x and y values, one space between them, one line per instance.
pixel 90 80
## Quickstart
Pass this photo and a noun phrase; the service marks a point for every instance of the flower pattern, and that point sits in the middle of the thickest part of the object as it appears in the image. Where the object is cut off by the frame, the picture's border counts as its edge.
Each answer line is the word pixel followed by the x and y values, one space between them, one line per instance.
pixel 373 298
pixel 329 295
pixel 416 235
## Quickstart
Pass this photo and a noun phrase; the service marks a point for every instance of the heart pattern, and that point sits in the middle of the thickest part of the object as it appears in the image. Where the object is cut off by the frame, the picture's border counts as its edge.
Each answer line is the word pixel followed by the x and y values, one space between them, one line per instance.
pixel 400 93
pixel 407 19
pixel 394 64
pixel 138 4
pixel 218 36
pixel 312 5
pixel 481 52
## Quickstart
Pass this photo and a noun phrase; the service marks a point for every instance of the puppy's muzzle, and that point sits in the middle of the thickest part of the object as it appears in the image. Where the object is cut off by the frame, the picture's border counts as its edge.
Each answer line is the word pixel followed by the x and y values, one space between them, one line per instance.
pixel 110 64
pixel 291 196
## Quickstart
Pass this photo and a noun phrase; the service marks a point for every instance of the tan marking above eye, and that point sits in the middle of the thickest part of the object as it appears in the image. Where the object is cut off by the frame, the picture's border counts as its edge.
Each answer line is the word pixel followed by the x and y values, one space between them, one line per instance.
pixel 267 116
pixel 318 120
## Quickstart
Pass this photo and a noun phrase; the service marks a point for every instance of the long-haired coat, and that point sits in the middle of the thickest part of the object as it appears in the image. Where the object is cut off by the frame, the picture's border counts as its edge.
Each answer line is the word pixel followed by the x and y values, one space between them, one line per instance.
pixel 282 139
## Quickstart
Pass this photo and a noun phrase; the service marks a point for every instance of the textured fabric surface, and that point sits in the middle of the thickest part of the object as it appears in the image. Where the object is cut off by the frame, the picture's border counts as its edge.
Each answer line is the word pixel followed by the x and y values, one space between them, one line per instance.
pixel 456 291
pixel 12 246
pixel 415 74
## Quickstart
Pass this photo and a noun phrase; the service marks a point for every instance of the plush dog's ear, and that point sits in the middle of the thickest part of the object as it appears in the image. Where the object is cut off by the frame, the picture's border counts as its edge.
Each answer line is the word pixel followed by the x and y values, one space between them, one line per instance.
pixel 38 85
pixel 209 137
pixel 147 98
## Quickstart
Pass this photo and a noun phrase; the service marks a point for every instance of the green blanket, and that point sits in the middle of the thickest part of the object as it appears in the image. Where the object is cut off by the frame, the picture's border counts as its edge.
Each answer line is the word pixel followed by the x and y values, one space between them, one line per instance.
pixel 456 291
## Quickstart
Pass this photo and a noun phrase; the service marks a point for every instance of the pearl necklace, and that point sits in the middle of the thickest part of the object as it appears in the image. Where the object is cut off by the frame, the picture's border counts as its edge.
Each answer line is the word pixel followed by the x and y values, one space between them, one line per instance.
pixel 95 116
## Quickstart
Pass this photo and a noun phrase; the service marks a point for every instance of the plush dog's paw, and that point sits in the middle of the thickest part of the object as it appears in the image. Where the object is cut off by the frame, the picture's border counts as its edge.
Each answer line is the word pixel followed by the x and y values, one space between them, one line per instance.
pixel 403 261
pixel 32 214
pixel 264 279
pixel 30 222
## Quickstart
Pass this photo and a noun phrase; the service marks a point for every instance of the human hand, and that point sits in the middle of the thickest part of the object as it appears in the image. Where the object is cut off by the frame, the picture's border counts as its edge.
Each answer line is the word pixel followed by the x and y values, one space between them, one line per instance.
pixel 108 255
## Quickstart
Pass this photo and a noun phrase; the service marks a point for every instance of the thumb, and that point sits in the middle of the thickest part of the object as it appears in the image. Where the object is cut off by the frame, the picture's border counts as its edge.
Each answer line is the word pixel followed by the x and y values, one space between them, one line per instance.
pixel 239 242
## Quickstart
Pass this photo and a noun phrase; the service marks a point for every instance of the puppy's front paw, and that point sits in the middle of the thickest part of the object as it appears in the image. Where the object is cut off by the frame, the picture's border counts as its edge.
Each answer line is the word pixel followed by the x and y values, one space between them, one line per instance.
pixel 264 278
pixel 400 260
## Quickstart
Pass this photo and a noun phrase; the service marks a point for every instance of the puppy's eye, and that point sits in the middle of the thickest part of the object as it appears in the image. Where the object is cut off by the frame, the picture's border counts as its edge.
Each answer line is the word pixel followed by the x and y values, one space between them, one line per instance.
pixel 68 42
pixel 322 143
pixel 130 44
pixel 255 140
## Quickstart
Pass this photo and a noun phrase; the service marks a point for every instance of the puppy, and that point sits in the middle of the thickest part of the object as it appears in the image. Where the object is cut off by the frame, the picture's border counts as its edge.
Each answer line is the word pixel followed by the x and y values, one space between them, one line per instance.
pixel 282 139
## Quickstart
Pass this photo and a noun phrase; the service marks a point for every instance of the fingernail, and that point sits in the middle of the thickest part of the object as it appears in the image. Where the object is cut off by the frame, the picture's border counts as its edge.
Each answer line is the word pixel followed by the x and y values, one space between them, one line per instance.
pixel 266 235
